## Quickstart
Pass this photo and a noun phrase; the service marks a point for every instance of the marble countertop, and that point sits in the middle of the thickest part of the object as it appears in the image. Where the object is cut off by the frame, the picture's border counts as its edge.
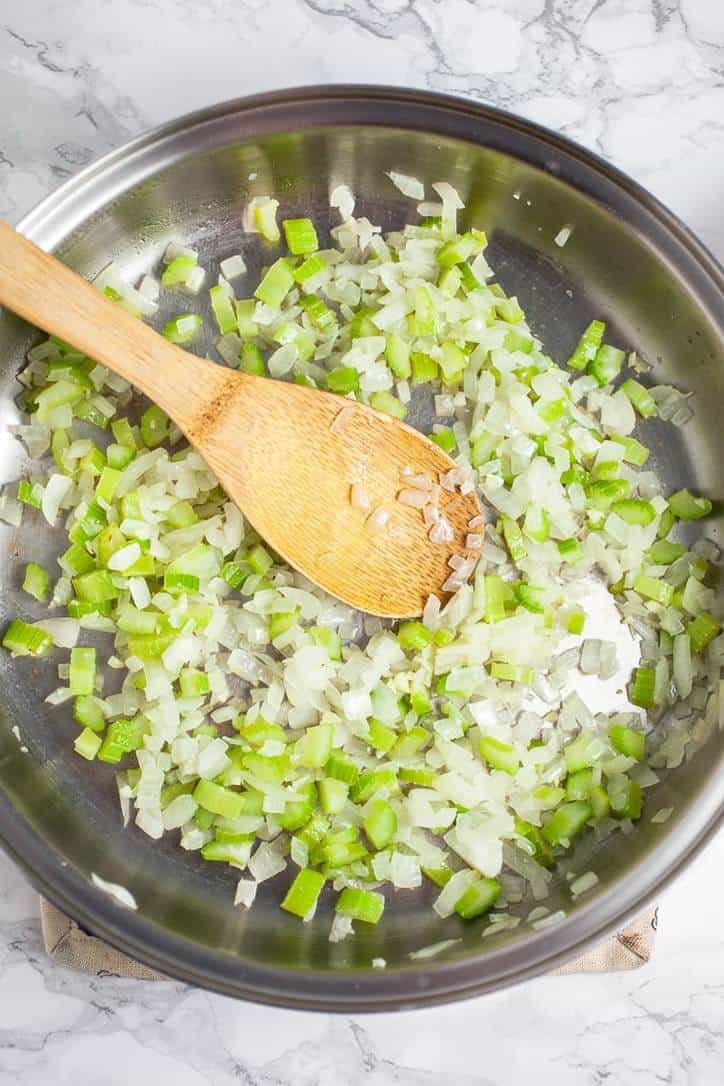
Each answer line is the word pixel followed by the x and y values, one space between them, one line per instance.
pixel 641 82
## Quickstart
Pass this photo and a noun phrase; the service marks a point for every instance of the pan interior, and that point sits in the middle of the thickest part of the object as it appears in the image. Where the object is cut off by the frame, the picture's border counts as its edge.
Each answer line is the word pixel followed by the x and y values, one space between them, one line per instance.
pixel 614 267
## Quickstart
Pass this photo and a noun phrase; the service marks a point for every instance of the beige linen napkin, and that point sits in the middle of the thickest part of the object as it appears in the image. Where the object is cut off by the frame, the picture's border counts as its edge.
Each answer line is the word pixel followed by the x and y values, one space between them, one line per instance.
pixel 70 946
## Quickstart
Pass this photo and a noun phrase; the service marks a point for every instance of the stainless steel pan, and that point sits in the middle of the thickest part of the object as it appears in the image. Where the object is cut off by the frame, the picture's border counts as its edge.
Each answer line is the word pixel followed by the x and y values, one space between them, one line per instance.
pixel 629 260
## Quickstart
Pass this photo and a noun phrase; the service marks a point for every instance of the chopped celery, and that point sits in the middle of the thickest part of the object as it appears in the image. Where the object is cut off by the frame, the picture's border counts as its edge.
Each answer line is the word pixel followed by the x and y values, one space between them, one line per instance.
pixel 567 821
pixel 445 438
pixel 365 905
pixel 36 581
pixel 301 236
pixel 328 639
pixel 154 426
pixel 319 314
pixel 634 511
pixel 22 639
pixel 275 285
pixel 413 635
pixel 499 755
pixel 642 687
pixel 265 219
pixel 388 404
pixel 478 898
pixel 88 712
pixel 588 346
pixel 88 744
pixel 218 800
pixel 224 309
pixel 178 270
pixel 343 379
pixel 82 671
pixel 397 353
pixel 513 673
pixel 607 364
pixel 628 742
pixel 702 630
pixel 182 329
pixel 686 506
pixel 380 823
pixel 302 896
pixel 122 737
pixel 641 399
pixel 332 795
pixel 423 368
pixel 652 589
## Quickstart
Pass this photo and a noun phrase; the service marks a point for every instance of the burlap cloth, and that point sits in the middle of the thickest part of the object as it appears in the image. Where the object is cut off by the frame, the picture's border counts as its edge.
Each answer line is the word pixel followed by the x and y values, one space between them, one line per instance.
pixel 74 948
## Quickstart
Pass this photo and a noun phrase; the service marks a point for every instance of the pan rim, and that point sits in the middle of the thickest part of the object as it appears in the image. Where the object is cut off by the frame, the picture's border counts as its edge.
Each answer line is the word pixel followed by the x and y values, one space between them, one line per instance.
pixel 358 991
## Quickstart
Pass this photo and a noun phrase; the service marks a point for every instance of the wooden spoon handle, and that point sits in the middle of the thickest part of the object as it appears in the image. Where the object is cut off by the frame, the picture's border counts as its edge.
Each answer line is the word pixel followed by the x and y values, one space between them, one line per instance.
pixel 45 292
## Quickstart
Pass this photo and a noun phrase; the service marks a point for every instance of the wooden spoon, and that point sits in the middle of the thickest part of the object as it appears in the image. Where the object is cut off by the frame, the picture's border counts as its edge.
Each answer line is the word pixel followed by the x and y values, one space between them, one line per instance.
pixel 286 455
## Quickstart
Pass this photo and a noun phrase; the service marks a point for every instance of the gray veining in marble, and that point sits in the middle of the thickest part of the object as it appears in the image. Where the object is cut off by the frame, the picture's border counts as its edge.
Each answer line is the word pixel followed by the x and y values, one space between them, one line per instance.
pixel 641 82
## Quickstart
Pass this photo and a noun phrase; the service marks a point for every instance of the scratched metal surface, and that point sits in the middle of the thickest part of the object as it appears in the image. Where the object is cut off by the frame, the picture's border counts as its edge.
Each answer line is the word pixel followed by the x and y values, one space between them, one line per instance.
pixel 627 261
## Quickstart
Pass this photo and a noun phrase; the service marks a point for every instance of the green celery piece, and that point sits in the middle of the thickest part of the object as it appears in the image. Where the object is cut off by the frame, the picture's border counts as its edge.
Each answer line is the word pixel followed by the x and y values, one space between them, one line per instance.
pixel 542 851
pixel 329 639
pixel 372 781
pixel 341 767
pixel 365 905
pixel 82 675
pixel 387 403
pixel 578 785
pixel 302 896
pixel 512 673
pixel 265 218
pixel 236 851
pixel 567 821
pixel 251 359
pixel 685 506
pixel 301 237
pixel 332 795
pixel 154 426
pixel 381 738
pixel 310 267
pixel 628 742
pixel 182 329
pixel 380 824
pixel 218 800
pixel 224 309
pixel 445 438
pixel 588 346
pixel 625 796
pixel 315 746
pixel 297 813
pixel 22 639
pixel 499 755
pixel 122 737
pixel 281 621
pixel 193 683
pixel 641 399
pixel 318 312
pixel 177 271
pixel 343 379
pixel 478 898
pixel 413 635
pixel 702 630
pixel 397 353
pixel 36 581
pixel 634 511
pixel 423 368
pixel 276 284
pixel 642 687
pixel 88 712
pixel 607 364
pixel 88 744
